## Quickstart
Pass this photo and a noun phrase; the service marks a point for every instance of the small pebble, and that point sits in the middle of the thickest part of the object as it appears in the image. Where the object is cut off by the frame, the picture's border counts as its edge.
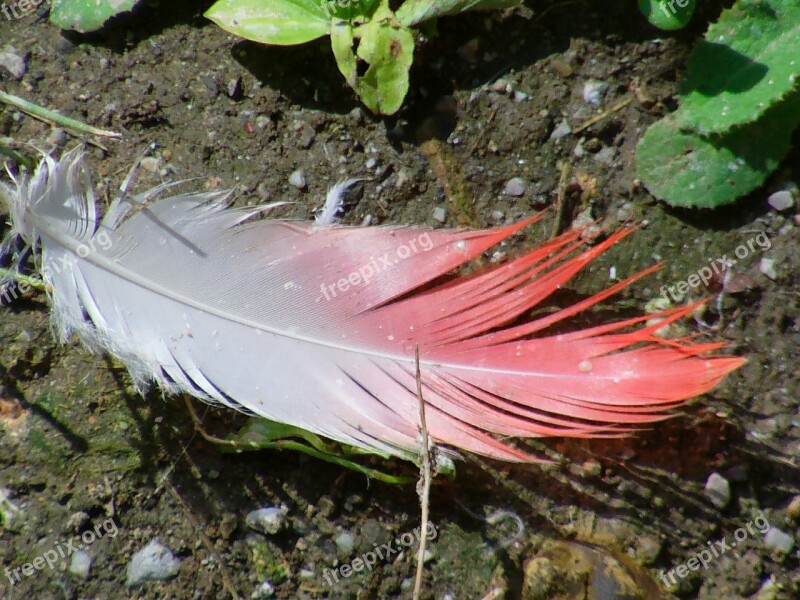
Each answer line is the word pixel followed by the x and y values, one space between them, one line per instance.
pixel 793 510
pixel 235 88
pixel 440 214
pixel 515 187
pixel 80 563
pixel 370 164
pixel 298 179
pixel 781 200
pixel 13 62
pixel 345 541
pixel 269 520
pixel 778 541
pixel 520 96
pixel 718 490
pixel 263 591
pixel 562 130
pixel 154 562
pixel 593 91
pixel 498 215
pixel 767 267
pixel 58 137
pixel 151 164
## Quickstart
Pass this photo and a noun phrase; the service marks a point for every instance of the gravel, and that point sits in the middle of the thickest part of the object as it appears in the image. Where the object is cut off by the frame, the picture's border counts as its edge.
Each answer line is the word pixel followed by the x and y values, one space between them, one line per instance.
pixel 154 562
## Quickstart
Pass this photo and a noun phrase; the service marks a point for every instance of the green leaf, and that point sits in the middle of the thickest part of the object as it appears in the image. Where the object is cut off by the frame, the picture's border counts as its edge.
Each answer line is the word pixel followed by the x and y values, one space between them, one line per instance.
pixel 417 11
pixel 748 61
pixel 685 169
pixel 260 434
pixel 281 22
pixel 388 50
pixel 87 15
pixel 348 10
pixel 667 14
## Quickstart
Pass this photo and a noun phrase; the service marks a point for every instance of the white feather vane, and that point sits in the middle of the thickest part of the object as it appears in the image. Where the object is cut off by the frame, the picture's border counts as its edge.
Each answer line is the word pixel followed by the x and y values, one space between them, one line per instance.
pixel 316 326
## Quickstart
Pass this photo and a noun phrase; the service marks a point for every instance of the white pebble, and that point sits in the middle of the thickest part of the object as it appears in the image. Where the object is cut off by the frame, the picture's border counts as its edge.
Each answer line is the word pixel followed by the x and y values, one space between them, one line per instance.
pixel 515 187
pixel 778 541
pixel 440 214
pixel 562 130
pixel 593 91
pixel 781 200
pixel 767 267
pixel 80 563
pixel 269 520
pixel 154 562
pixel 298 179
pixel 718 490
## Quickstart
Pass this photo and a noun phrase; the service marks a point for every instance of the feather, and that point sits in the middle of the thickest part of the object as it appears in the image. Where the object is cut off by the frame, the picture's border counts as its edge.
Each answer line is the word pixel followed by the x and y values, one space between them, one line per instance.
pixel 316 326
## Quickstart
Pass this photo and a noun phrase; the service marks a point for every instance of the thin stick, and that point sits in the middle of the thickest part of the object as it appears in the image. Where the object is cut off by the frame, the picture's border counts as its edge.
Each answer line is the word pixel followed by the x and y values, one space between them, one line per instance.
pixel 561 199
pixel 618 106
pixel 424 484
pixel 53 118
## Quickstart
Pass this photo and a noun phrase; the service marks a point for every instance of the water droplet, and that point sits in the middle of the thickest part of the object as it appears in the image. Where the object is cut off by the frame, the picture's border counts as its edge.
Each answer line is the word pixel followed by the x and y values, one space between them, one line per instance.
pixel 584 366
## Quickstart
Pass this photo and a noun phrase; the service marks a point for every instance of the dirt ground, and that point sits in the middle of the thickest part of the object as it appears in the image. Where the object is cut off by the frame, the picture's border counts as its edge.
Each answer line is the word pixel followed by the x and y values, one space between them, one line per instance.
pixel 80 447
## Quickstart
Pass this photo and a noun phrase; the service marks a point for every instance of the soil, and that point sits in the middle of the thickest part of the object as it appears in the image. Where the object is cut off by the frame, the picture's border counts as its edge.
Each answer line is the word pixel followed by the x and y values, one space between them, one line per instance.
pixel 79 446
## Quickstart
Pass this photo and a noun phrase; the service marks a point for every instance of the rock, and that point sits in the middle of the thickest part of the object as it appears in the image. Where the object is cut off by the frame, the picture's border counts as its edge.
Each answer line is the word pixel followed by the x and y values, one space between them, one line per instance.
pixel 234 88
pixel 263 590
pixel 498 215
pixel 767 267
pixel 718 490
pixel 793 510
pixel 515 187
pixel 370 164
pixel 593 91
pixel 520 96
pixel 269 520
pixel 782 200
pixel 778 541
pixel 562 130
pixel 298 179
pixel 80 563
pixel 151 164
pixel 154 562
pixel 345 541
pixel 440 214
pixel 13 62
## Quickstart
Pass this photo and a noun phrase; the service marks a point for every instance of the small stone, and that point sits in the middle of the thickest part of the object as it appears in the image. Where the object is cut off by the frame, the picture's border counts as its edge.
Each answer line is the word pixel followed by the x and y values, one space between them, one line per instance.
pixel 718 490
pixel 58 137
pixel 592 468
pixel 440 214
pixel 13 62
pixel 593 91
pixel 782 200
pixel 298 179
pixel 370 164
pixel 151 164
pixel 80 563
pixel 501 86
pixel 345 541
pixel 263 590
pixel 357 115
pixel 234 88
pixel 269 520
pixel 515 187
pixel 767 267
pixel 778 541
pixel 154 562
pixel 498 215
pixel 793 510
pixel 562 130
pixel 77 521
pixel 520 96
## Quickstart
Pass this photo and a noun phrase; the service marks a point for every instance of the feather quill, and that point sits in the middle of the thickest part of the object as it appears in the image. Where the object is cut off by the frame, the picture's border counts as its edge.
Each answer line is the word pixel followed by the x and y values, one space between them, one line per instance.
pixel 316 326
